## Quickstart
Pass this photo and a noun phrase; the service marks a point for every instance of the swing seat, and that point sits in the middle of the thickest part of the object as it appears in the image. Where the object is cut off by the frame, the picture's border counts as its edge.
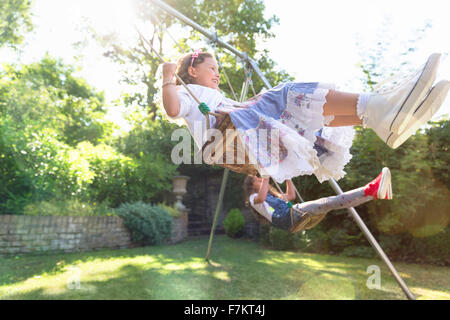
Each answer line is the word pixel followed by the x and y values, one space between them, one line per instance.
pixel 313 221
pixel 228 144
pixel 309 222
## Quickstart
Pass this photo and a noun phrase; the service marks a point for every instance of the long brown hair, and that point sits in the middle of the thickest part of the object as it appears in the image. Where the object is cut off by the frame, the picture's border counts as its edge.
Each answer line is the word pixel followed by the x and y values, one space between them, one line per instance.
pixel 249 189
pixel 184 63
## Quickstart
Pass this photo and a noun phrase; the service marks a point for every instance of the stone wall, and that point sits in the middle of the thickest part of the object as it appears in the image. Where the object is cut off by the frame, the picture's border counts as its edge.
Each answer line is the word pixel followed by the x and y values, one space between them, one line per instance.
pixel 33 234
pixel 201 199
pixel 51 234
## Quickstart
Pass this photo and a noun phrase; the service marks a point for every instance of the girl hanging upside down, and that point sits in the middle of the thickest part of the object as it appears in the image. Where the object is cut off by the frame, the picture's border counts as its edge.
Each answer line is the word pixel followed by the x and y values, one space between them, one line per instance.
pixel 272 206
pixel 314 120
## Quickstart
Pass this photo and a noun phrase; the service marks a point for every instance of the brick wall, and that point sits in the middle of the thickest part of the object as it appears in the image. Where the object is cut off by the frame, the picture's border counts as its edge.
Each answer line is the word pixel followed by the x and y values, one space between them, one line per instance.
pixel 33 234
pixel 37 234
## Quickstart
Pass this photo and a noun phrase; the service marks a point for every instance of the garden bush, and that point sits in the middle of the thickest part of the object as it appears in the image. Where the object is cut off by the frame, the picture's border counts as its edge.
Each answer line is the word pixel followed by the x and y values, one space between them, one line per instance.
pixel 280 239
pixel 148 224
pixel 433 249
pixel 172 210
pixel 359 251
pixel 234 223
pixel 313 240
pixel 264 231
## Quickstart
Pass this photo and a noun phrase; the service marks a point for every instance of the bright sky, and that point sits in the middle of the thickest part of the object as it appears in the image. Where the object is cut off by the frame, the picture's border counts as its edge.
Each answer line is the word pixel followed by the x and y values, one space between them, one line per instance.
pixel 315 41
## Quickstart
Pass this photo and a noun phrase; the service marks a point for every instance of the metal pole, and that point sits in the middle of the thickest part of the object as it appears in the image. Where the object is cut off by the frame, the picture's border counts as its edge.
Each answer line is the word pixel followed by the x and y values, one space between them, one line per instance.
pixel 374 243
pixel 333 183
pixel 366 231
pixel 210 35
pixel 216 215
pixel 213 37
pixel 224 182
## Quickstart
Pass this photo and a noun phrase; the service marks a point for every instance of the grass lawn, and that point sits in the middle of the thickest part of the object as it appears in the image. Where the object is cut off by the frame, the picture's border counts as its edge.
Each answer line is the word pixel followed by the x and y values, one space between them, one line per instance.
pixel 239 269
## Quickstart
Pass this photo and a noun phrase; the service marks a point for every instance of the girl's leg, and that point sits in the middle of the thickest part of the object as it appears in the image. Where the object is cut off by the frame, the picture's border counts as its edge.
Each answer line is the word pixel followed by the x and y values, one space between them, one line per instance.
pixel 340 121
pixel 340 104
pixel 380 187
pixel 348 199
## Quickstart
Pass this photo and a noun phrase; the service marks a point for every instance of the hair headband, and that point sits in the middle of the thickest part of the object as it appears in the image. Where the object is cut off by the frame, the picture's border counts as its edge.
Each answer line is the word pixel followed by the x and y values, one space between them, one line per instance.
pixel 195 55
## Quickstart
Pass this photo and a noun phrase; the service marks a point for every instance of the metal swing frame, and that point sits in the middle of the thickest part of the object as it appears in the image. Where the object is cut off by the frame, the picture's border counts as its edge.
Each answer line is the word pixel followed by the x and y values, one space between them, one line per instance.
pixel 212 36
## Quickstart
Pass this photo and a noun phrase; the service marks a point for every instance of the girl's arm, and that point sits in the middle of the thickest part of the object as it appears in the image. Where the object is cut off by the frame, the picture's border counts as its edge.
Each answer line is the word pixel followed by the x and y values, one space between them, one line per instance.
pixel 262 194
pixel 170 98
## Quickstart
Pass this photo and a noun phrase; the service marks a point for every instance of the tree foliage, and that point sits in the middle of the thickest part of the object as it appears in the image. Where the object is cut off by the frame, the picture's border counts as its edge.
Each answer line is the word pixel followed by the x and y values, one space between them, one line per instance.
pixel 55 143
pixel 47 94
pixel 15 20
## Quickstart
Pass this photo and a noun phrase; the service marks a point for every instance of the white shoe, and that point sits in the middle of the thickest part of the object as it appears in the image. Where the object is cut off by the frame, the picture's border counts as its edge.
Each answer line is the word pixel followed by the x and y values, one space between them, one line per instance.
pixel 391 105
pixel 424 112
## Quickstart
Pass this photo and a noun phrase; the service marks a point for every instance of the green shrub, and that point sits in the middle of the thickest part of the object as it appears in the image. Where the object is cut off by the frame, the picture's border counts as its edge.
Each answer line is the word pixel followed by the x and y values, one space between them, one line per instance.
pixel 359 251
pixel 339 239
pixel 264 238
pixel 234 223
pixel 301 241
pixel 280 239
pixel 431 249
pixel 148 224
pixel 312 240
pixel 283 240
pixel 173 210
pixel 394 245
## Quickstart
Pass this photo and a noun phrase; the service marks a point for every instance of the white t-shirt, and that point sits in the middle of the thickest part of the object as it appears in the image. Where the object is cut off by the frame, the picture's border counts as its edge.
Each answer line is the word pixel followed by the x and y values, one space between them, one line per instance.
pixel 263 208
pixel 192 115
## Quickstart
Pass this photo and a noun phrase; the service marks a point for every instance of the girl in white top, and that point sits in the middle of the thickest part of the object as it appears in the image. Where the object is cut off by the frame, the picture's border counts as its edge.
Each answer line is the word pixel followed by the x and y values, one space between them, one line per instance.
pixel 271 206
pixel 314 119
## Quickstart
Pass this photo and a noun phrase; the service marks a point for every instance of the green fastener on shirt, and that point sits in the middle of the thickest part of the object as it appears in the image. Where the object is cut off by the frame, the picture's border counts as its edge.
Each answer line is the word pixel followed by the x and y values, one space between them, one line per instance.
pixel 203 108
pixel 289 204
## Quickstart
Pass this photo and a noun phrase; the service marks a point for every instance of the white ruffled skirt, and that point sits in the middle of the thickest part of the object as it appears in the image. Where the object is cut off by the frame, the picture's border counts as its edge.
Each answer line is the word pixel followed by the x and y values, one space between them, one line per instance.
pixel 303 144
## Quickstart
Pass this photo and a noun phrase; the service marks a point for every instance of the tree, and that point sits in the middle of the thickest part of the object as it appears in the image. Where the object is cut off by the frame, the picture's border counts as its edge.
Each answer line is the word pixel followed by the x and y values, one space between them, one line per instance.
pixel 54 143
pixel 15 19
pixel 45 112
pixel 47 94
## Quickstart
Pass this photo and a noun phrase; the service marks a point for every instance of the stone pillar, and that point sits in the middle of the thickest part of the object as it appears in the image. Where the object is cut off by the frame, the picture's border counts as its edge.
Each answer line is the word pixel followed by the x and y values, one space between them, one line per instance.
pixel 180 224
pixel 180 227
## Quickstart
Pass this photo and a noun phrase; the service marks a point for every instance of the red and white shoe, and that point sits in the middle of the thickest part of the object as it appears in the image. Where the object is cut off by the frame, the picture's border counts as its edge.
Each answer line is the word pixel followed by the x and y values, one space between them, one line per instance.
pixel 381 186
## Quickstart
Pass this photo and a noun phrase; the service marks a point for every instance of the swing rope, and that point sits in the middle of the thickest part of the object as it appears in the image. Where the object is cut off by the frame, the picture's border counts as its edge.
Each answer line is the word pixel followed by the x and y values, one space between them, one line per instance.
pixel 291 207
pixel 213 44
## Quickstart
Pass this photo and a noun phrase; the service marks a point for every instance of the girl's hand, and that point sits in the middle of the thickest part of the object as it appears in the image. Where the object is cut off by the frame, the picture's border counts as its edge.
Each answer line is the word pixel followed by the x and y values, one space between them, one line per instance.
pixel 168 70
